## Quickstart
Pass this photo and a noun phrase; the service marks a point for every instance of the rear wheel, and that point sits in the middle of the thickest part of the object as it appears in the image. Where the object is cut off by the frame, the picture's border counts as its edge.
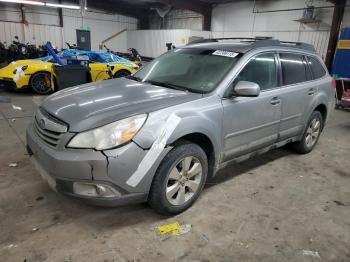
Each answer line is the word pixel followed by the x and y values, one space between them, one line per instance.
pixel 121 73
pixel 41 83
pixel 179 179
pixel 311 134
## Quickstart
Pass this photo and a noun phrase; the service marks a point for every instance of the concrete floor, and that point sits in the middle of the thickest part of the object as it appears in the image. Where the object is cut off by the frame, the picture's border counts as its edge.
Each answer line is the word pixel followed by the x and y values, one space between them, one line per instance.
pixel 270 208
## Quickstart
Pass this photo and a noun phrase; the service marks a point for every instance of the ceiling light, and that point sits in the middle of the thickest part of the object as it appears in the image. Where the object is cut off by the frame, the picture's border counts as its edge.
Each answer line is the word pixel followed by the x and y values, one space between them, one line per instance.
pixel 63 6
pixel 23 2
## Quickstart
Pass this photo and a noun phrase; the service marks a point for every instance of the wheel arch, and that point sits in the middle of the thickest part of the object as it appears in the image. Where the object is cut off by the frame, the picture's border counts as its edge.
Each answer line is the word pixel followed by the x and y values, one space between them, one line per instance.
pixel 205 142
pixel 122 70
pixel 322 108
pixel 43 71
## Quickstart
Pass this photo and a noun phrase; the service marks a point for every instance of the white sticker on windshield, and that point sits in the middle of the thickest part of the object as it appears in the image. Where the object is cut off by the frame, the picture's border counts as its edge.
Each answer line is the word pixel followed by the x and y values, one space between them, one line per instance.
pixel 225 53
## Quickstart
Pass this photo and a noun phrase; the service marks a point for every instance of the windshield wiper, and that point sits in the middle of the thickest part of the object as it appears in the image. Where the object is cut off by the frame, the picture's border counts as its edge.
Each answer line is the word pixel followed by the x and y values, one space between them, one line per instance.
pixel 167 85
pixel 133 78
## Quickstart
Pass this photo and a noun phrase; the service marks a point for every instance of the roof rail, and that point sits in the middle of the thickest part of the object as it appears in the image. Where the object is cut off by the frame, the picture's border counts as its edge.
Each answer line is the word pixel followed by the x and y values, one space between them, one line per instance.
pixel 259 42
pixel 300 45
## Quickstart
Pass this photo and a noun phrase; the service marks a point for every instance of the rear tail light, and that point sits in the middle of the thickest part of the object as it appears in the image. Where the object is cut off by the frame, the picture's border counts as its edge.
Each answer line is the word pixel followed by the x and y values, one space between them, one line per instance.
pixel 334 84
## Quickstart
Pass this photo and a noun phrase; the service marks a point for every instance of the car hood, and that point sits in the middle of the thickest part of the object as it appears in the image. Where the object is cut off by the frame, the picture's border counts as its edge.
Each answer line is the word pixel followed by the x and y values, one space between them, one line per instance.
pixel 95 104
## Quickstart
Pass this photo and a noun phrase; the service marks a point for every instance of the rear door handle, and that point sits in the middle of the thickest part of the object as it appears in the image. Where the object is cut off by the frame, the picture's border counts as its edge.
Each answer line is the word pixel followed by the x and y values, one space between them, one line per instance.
pixel 275 101
pixel 311 91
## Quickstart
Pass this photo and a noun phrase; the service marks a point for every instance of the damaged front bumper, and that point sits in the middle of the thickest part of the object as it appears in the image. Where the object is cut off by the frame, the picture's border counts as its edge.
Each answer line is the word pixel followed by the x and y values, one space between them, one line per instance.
pixel 98 177
pixel 8 84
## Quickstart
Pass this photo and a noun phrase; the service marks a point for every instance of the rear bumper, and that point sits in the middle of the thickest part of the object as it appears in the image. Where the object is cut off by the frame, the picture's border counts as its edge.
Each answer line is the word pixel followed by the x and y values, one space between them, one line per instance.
pixel 65 170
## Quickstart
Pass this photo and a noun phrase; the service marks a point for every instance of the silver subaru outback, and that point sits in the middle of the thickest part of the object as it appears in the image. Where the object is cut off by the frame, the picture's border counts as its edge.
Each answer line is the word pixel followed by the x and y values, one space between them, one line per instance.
pixel 159 134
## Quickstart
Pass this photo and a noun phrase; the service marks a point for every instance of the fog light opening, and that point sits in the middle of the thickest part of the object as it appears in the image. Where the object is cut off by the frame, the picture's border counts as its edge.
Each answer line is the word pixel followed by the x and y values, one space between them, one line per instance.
pixel 94 190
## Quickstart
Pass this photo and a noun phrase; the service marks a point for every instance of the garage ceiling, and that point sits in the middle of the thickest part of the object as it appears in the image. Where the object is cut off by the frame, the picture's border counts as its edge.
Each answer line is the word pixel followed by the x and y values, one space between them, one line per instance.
pixel 138 8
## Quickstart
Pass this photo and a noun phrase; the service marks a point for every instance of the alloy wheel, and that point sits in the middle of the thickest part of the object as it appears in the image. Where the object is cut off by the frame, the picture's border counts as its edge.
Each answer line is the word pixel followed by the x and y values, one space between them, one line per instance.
pixel 313 132
pixel 41 83
pixel 184 180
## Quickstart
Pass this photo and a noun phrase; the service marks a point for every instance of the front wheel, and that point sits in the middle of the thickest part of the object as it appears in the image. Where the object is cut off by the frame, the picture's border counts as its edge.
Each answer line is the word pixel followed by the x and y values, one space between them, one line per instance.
pixel 179 179
pixel 41 83
pixel 311 134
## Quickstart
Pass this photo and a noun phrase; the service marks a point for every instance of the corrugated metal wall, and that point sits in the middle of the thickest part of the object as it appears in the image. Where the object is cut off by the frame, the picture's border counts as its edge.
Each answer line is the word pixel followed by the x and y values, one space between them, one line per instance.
pixel 228 20
pixel 238 19
pixel 43 26
pixel 153 42
pixel 101 26
pixel 318 38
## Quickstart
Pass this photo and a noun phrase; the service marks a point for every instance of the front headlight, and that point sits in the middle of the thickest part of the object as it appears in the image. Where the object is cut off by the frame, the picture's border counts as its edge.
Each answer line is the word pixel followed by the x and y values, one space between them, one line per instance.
pixel 109 136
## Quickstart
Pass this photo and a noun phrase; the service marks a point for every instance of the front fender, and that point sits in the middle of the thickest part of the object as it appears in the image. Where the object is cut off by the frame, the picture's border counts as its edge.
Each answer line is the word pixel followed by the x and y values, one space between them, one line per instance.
pixel 202 116
pixel 197 124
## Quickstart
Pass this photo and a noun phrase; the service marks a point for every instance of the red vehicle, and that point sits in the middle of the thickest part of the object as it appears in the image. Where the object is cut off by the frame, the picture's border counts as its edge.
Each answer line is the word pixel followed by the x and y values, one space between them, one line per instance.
pixel 343 93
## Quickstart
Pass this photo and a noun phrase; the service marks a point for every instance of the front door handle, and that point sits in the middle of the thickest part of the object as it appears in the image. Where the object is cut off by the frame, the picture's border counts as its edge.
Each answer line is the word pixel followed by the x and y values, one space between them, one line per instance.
pixel 275 101
pixel 311 91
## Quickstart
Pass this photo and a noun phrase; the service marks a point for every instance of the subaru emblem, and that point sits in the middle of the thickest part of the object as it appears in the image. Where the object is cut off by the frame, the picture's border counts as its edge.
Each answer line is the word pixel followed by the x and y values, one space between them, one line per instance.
pixel 42 123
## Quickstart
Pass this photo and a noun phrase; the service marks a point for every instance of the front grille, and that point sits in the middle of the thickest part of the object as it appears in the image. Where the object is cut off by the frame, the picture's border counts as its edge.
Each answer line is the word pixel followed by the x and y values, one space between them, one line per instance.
pixel 49 137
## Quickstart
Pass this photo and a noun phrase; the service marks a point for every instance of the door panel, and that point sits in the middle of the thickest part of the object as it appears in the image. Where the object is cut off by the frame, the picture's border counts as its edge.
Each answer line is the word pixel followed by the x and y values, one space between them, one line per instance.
pixel 83 39
pixel 296 94
pixel 251 123
pixel 295 101
pixel 98 71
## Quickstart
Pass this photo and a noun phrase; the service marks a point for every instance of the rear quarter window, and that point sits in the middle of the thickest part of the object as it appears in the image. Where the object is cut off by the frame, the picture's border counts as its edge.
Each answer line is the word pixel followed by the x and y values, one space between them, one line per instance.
pixel 293 68
pixel 316 67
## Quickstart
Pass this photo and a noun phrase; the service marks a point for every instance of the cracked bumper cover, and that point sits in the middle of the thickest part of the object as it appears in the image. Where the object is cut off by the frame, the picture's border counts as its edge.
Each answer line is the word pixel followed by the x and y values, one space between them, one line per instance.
pixel 62 167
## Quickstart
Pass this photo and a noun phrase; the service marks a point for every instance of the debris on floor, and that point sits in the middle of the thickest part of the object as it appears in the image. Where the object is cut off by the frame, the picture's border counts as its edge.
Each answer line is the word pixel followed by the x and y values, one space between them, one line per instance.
pixel 10 246
pixel 16 107
pixel 39 198
pixel 311 253
pixel 205 237
pixel 339 203
pixel 242 244
pixel 254 194
pixel 174 229
pixel 13 164
pixel 34 229
pixel 13 120
pixel 185 228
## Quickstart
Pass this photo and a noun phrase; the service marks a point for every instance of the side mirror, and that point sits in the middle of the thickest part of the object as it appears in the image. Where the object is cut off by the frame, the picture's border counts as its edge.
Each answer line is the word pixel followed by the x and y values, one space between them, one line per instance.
pixel 247 89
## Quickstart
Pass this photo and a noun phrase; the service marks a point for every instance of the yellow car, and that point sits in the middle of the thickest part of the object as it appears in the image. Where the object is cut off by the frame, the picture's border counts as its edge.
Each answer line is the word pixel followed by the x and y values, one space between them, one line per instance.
pixel 38 74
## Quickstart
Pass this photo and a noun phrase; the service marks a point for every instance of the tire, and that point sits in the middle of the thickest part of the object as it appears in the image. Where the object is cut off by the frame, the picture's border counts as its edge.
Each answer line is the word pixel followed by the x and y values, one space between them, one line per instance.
pixel 179 185
pixel 311 134
pixel 41 83
pixel 121 73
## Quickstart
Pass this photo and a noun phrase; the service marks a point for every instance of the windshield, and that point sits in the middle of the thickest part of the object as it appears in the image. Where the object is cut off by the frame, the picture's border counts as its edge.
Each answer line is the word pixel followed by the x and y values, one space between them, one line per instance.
pixel 193 69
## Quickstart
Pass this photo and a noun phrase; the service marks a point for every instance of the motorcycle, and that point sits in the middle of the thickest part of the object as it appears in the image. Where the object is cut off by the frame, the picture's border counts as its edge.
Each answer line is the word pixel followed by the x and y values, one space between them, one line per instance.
pixel 3 52
pixel 73 46
pixel 133 56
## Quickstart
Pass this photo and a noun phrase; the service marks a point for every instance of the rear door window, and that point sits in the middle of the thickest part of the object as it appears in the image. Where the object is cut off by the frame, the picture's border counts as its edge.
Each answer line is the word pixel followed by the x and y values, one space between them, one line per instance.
pixel 317 69
pixel 293 68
